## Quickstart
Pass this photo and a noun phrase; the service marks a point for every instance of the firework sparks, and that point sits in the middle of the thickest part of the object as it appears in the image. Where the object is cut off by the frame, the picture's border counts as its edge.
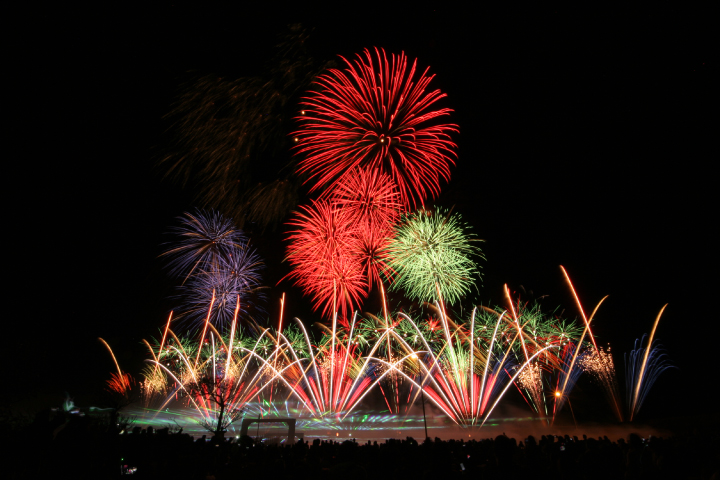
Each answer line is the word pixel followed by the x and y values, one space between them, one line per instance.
pixel 120 383
pixel 530 381
pixel 218 266
pixel 335 378
pixel 369 198
pixel 600 365
pixel 641 372
pixel 449 372
pixel 224 376
pixel 205 237
pixel 432 254
pixel 376 114
pixel 321 253
pixel 394 390
pixel 233 276
pixel 567 376
pixel 370 202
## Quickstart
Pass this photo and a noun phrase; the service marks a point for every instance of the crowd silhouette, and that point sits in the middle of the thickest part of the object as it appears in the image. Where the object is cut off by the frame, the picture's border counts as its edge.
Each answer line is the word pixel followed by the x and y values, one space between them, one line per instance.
pixel 66 445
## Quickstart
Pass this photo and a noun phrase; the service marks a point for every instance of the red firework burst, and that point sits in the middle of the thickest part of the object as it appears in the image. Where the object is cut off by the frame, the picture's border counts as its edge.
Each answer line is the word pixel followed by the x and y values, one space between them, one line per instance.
pixel 375 114
pixel 368 197
pixel 370 200
pixel 371 252
pixel 321 252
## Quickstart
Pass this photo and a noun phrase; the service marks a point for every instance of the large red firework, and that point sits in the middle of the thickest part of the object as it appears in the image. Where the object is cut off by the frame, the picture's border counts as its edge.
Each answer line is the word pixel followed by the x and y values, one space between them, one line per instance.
pixel 369 200
pixel 321 252
pixel 376 114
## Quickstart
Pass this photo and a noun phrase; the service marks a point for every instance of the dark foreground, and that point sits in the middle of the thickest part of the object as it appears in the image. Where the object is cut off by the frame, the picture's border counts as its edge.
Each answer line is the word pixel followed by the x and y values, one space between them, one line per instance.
pixel 82 449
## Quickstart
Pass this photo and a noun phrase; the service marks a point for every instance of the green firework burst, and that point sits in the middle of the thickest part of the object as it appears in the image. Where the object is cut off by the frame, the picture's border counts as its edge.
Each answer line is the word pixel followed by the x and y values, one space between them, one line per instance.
pixel 430 251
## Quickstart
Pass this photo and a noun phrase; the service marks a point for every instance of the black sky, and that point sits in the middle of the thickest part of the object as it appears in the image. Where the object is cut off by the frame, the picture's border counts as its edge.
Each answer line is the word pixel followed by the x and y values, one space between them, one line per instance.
pixel 585 141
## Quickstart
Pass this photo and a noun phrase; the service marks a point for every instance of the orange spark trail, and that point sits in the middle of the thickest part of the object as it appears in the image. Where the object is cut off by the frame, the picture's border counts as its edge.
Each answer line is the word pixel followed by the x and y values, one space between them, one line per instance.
pixel 577 349
pixel 642 368
pixel 115 359
pixel 162 343
pixel 232 336
pixel 577 300
pixel 207 320
pixel 512 309
pixel 282 309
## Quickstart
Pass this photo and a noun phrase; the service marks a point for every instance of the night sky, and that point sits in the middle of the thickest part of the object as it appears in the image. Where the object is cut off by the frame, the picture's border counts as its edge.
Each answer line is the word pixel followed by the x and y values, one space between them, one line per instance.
pixel 584 142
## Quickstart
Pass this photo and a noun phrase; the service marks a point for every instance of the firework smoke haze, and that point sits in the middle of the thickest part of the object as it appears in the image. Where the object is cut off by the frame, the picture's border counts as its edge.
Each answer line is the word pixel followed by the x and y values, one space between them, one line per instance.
pixel 231 135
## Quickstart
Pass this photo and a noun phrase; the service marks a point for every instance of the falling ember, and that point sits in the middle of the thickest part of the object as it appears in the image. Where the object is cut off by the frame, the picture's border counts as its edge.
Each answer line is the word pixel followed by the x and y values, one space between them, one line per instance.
pixel 600 365
pixel 530 380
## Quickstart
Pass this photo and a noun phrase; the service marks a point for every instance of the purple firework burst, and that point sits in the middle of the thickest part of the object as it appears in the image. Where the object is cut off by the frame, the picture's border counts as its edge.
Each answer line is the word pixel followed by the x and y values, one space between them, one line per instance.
pixel 234 277
pixel 206 237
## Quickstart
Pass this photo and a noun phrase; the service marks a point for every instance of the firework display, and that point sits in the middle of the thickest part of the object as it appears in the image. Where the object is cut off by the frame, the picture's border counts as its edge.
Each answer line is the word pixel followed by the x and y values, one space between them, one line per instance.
pixel 543 330
pixel 219 375
pixel 340 243
pixel 121 382
pixel 463 368
pixel 451 374
pixel 374 145
pixel 463 375
pixel 376 113
pixel 336 375
pixel 636 363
